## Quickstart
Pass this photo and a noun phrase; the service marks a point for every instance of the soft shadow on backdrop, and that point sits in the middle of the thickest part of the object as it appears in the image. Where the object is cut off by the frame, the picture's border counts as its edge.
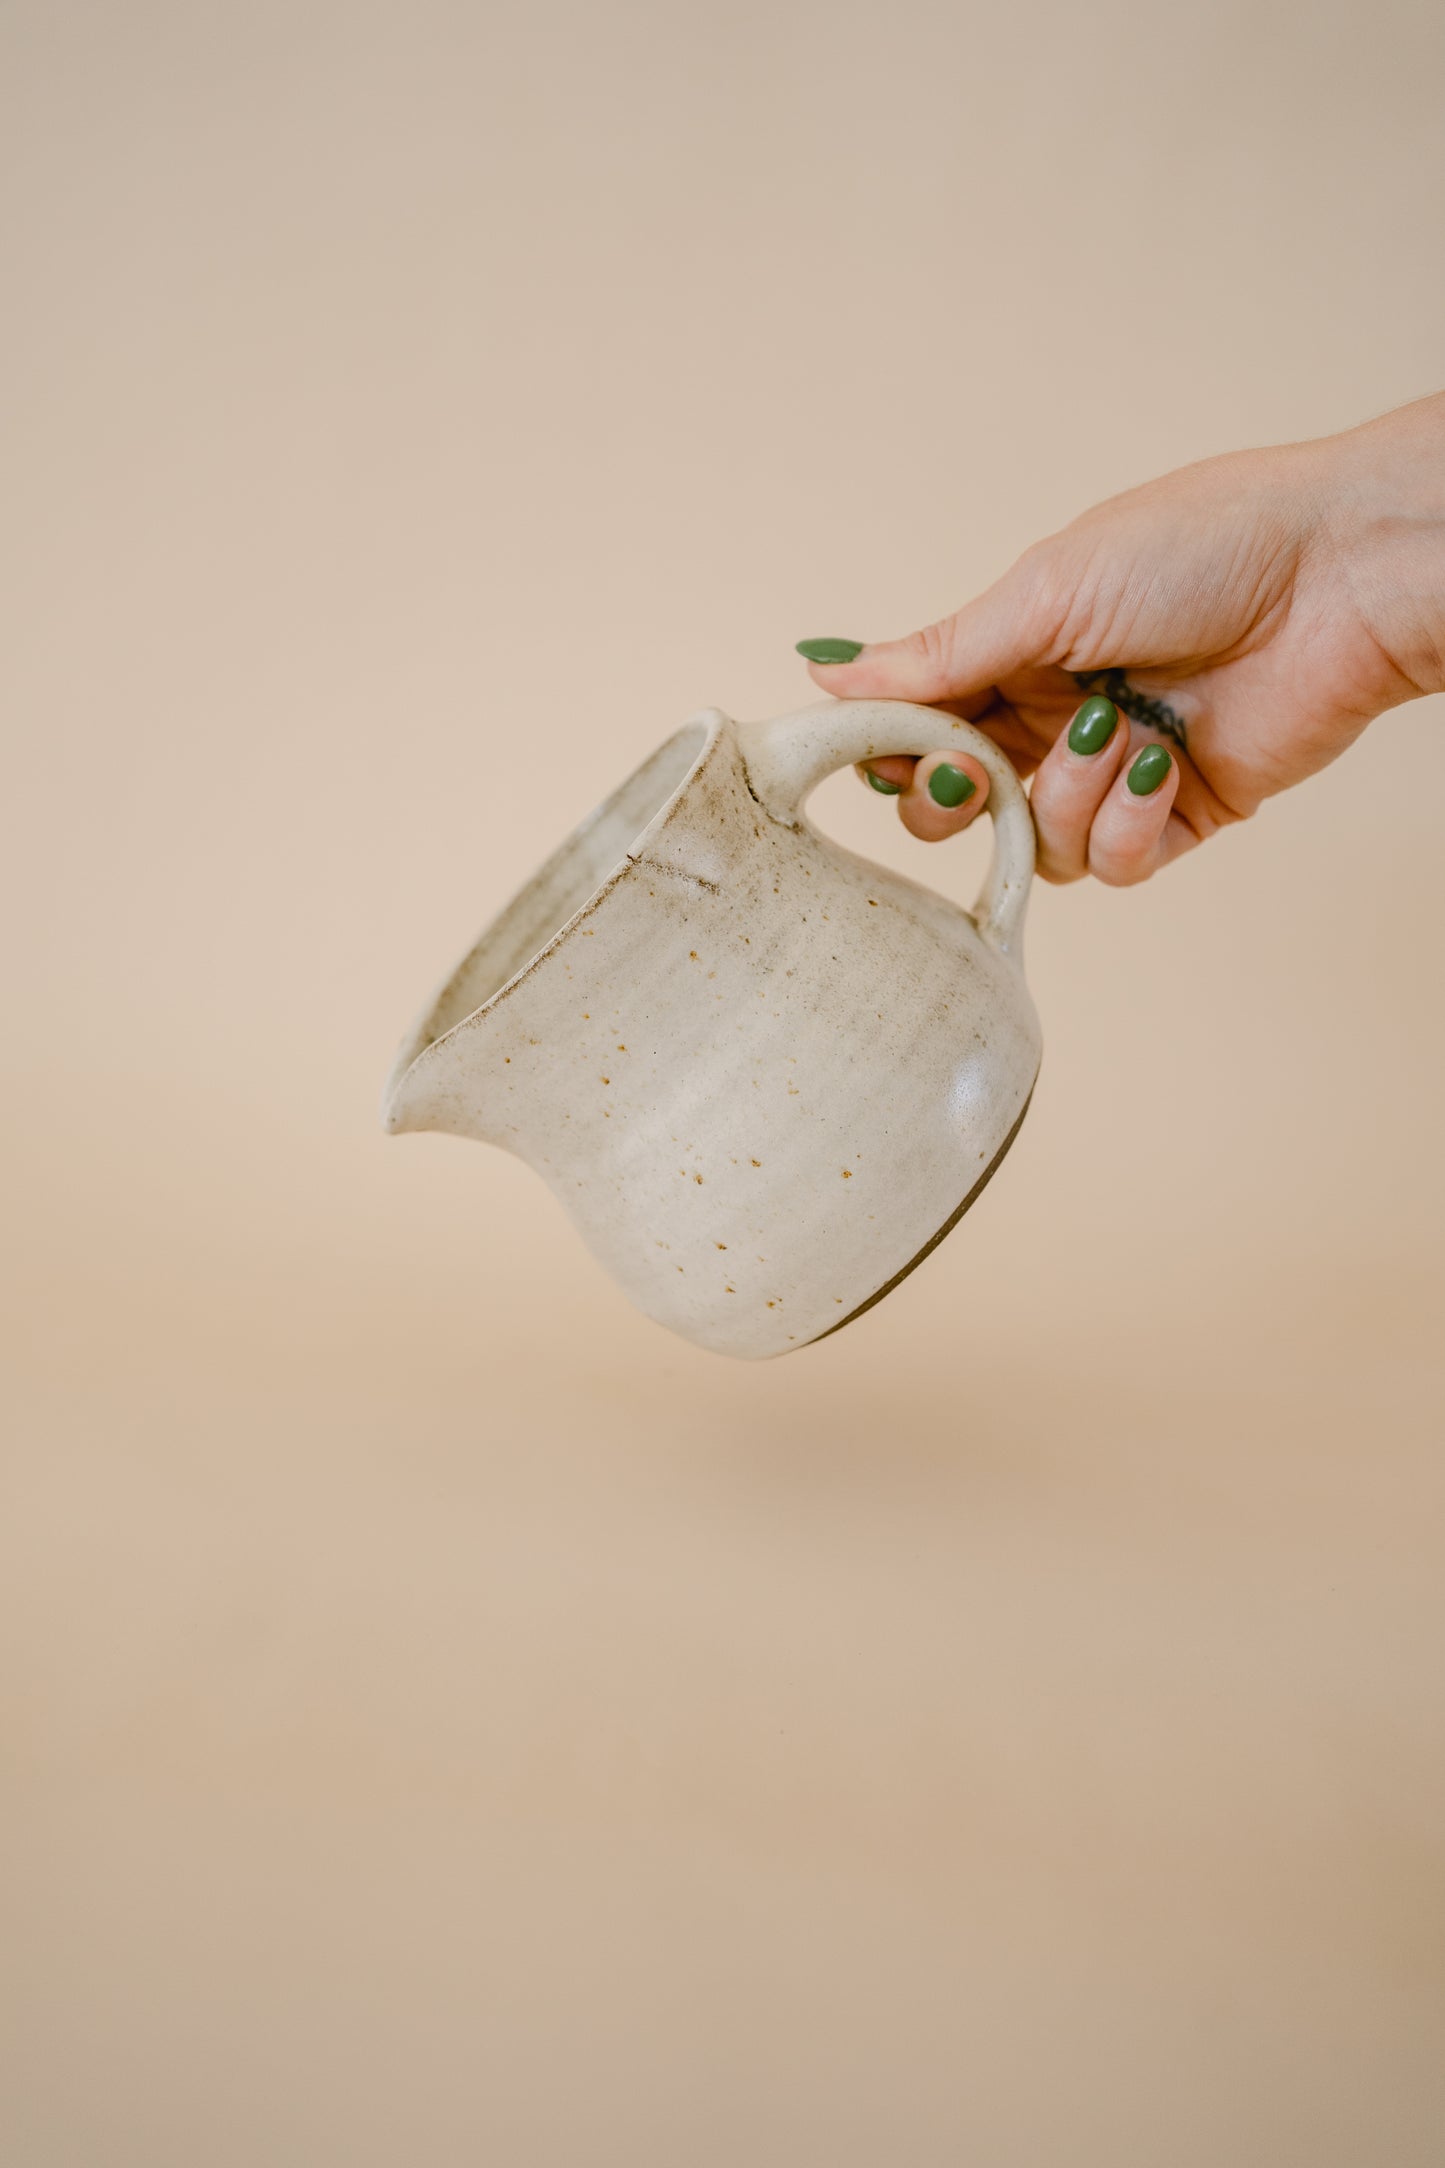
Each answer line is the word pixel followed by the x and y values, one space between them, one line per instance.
pixel 445 1719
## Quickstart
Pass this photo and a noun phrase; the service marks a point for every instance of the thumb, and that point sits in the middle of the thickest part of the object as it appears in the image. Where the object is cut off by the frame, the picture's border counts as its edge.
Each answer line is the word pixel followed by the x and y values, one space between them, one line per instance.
pixel 1004 629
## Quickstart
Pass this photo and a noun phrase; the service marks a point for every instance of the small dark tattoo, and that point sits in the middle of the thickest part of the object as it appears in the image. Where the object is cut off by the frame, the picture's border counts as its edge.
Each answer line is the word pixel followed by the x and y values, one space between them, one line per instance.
pixel 1157 714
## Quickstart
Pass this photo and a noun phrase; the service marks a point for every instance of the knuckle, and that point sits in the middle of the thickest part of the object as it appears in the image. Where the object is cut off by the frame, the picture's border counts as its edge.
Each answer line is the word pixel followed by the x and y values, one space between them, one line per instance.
pixel 1120 872
pixel 1044 585
pixel 1036 571
pixel 932 648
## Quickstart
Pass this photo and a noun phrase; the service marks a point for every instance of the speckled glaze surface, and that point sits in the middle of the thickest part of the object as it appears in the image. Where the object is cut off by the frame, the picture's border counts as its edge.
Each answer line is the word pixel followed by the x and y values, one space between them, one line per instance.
pixel 762 1074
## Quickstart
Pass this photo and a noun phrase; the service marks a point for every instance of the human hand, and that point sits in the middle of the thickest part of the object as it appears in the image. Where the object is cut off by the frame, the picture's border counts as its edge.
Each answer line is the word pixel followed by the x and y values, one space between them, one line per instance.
pixel 1249 616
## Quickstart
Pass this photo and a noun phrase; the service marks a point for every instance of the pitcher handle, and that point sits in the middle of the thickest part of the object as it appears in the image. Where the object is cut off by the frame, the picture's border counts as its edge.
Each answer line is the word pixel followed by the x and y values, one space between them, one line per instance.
pixel 787 757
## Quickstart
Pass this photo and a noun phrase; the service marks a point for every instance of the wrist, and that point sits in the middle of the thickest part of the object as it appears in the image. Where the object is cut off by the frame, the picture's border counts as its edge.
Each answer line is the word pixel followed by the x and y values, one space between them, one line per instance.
pixel 1382 491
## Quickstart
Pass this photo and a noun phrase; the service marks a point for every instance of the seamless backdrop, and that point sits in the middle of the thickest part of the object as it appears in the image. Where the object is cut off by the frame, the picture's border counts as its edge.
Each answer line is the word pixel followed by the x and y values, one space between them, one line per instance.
pixel 444 1719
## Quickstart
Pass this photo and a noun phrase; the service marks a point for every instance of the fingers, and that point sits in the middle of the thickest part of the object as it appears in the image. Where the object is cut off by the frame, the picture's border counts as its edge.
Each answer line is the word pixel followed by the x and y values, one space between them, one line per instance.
pixel 1102 799
pixel 1130 838
pixel 938 796
pixel 889 775
pixel 1072 782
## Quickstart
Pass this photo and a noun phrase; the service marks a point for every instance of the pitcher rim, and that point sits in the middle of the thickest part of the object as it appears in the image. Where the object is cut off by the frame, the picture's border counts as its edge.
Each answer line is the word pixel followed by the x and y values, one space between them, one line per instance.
pixel 418 1045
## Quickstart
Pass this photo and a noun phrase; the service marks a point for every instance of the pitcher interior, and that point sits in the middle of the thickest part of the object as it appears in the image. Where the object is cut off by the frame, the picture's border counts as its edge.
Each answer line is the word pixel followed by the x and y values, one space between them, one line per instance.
pixel 569 879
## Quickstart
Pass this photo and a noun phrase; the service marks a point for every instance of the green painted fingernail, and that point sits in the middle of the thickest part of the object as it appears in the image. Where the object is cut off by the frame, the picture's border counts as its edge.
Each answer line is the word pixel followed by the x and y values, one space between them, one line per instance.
pixel 889 790
pixel 830 650
pixel 1149 771
pixel 1093 726
pixel 949 786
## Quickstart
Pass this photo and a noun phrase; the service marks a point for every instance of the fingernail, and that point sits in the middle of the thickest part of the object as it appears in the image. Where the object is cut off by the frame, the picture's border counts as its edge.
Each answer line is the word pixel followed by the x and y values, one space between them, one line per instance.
pixel 1149 771
pixel 1093 726
pixel 949 786
pixel 889 790
pixel 830 650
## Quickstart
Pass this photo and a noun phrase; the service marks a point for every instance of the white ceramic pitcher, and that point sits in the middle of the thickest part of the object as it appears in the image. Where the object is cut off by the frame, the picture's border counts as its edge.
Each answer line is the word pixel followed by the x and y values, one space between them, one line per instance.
pixel 764 1076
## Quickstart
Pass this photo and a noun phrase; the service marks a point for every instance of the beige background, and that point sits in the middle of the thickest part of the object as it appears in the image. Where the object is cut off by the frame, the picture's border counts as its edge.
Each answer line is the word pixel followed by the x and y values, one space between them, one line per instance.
pixel 446 1720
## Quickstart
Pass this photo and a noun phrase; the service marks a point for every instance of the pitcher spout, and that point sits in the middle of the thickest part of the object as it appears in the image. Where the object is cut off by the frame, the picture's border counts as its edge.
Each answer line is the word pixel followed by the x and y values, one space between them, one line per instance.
pixel 404 1107
pixel 444 1083
pixel 463 1068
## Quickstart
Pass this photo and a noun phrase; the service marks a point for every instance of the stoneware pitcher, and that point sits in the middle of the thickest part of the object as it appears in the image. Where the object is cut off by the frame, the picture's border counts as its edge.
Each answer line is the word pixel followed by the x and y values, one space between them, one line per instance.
pixel 764 1076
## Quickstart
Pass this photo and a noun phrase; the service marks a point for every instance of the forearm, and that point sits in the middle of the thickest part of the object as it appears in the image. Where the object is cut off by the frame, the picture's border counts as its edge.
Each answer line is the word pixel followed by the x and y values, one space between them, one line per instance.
pixel 1383 512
